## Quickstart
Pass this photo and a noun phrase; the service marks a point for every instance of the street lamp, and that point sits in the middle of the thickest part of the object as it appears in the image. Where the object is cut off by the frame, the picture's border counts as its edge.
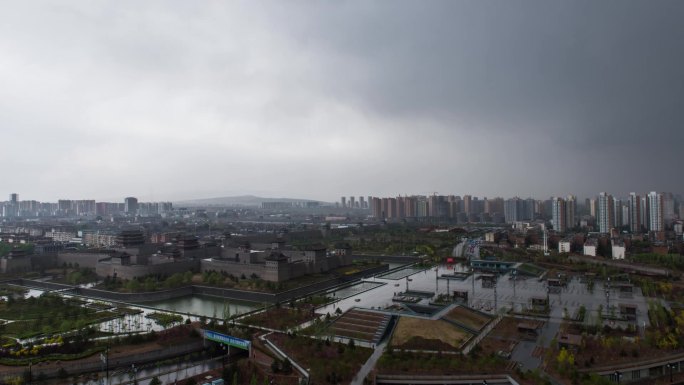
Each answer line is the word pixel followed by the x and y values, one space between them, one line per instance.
pixel 608 295
pixel 495 303
pixel 671 367
pixel 223 361
pixel 617 376
pixel 472 271
pixel 514 273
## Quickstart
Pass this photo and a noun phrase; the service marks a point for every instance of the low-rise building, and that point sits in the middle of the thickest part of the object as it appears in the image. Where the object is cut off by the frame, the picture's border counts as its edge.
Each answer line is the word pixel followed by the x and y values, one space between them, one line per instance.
pixel 590 247
pixel 618 249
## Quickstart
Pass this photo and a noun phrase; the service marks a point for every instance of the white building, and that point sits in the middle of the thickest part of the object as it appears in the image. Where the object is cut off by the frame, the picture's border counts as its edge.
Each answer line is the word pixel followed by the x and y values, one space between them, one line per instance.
pixel 590 247
pixel 564 246
pixel 678 227
pixel 606 215
pixel 655 211
pixel 618 249
pixel 558 211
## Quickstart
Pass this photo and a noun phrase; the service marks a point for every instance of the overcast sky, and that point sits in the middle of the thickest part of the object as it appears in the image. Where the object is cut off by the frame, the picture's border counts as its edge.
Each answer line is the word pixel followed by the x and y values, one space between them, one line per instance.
pixel 170 100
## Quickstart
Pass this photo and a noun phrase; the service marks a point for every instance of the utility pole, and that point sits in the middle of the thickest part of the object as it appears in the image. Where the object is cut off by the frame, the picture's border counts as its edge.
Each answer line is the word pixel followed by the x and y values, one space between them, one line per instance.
pixel 495 303
pixel 107 365
pixel 514 273
pixel 608 296
pixel 473 274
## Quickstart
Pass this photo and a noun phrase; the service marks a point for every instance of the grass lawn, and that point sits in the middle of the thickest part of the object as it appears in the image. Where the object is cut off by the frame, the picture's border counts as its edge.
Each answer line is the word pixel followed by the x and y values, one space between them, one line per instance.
pixel 48 314
pixel 468 317
pixel 329 363
pixel 531 269
pixel 397 362
pixel 281 318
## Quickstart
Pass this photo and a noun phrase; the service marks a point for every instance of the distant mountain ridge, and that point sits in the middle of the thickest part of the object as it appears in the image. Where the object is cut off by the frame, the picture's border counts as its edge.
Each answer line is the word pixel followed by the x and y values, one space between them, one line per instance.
pixel 240 200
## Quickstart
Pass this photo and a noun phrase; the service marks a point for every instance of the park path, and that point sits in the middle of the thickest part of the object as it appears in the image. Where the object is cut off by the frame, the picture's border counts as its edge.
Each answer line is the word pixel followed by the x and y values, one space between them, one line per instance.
pixel 370 364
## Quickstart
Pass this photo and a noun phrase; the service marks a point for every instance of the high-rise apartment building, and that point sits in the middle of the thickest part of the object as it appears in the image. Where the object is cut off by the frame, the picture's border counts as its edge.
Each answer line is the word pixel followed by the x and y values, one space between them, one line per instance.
pixel 531 210
pixel 410 207
pixel 625 215
pixel 634 205
pixel 422 207
pixel 494 205
pixel 131 205
pixel 656 220
pixel 438 206
pixel 516 209
pixel 376 207
pixel 571 212
pixel 617 212
pixel 392 212
pixel 401 207
pixel 558 214
pixel 605 213
pixel 644 213
pixel 467 204
pixel 668 209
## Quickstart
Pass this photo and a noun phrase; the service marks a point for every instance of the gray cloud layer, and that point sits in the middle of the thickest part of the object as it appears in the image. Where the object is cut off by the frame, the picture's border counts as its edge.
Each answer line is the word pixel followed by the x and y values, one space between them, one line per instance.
pixel 170 100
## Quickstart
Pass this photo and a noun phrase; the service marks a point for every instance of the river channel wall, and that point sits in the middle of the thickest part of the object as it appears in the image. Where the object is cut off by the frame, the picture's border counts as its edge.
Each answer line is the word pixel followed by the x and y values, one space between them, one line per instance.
pixel 235 294
pixel 115 361
pixel 387 258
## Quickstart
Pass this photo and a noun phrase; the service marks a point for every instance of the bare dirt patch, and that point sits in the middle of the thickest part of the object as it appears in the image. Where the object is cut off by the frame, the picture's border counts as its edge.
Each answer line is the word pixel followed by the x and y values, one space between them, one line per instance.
pixel 439 333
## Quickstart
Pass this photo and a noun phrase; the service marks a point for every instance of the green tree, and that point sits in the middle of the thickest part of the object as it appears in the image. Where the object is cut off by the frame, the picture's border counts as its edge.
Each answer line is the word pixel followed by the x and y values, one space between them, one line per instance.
pixel 155 381
pixel 62 373
pixel 287 366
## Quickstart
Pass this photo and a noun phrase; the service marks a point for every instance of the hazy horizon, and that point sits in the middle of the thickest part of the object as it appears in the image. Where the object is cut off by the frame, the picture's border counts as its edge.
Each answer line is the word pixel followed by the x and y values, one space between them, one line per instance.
pixel 170 100
pixel 198 200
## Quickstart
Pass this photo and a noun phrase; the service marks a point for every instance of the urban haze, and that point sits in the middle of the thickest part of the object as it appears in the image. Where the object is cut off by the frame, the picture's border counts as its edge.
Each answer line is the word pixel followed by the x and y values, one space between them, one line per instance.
pixel 350 192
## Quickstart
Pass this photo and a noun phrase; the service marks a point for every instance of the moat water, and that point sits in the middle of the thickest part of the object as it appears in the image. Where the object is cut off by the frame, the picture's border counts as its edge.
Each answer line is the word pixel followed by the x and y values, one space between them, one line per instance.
pixel 205 306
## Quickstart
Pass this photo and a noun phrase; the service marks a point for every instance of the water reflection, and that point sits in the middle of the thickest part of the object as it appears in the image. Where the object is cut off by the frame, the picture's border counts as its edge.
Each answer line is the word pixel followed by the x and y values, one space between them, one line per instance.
pixel 204 306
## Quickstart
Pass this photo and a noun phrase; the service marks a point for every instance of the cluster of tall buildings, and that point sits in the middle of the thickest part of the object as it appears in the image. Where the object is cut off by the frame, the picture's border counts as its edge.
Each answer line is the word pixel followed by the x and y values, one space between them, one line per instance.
pixel 466 208
pixel 654 211
pixel 564 213
pixel 14 208
pixel 353 203
pixel 463 209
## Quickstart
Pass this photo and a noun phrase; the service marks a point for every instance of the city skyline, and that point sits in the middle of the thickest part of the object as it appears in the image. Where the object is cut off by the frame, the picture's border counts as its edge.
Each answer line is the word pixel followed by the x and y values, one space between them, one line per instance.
pixel 358 198
pixel 173 101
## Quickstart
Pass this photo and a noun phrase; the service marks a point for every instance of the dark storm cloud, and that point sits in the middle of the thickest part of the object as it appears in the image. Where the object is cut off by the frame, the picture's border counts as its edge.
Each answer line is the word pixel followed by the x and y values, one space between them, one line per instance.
pixel 482 97
pixel 604 81
pixel 586 67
